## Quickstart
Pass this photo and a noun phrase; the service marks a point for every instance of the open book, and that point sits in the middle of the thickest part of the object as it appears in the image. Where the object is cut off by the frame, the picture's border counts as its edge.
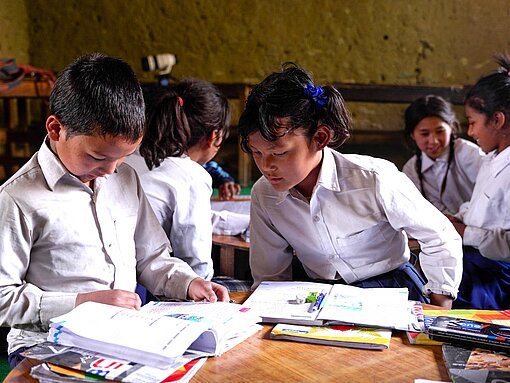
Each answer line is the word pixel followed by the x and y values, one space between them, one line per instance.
pixel 285 302
pixel 156 335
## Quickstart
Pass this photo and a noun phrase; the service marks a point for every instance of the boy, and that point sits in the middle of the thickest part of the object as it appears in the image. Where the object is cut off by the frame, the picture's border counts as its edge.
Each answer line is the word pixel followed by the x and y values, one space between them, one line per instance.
pixel 76 224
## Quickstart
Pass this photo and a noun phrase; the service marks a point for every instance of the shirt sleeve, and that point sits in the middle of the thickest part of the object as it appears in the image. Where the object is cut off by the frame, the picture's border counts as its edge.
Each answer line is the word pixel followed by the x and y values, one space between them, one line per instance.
pixel 270 254
pixel 157 270
pixel 23 304
pixel 493 244
pixel 440 244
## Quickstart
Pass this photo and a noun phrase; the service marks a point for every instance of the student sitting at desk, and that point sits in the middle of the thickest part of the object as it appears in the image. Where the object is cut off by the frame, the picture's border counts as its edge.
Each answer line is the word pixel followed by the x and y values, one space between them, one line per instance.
pixel 227 187
pixel 484 221
pixel 76 225
pixel 344 216
pixel 186 124
pixel 444 167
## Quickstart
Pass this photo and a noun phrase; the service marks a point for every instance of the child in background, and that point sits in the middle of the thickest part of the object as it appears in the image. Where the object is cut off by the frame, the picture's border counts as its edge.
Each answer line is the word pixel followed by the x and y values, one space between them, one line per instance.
pixel 444 167
pixel 76 225
pixel 345 217
pixel 227 187
pixel 484 221
pixel 186 125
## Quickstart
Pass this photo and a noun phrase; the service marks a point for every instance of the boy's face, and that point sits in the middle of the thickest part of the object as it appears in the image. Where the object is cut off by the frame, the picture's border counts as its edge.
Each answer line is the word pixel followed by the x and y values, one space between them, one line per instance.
pixel 291 161
pixel 89 157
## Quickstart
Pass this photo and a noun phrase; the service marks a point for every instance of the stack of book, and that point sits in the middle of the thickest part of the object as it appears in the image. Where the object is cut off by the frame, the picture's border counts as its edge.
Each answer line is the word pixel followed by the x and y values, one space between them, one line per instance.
pixel 339 315
pixel 161 342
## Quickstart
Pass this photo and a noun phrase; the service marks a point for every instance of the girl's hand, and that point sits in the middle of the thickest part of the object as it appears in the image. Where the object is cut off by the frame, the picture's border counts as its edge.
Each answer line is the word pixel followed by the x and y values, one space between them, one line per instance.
pixel 121 298
pixel 441 300
pixel 229 189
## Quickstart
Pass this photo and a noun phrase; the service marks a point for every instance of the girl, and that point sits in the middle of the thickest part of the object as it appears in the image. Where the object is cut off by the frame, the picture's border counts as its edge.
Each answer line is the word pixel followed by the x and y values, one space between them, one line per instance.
pixel 484 221
pixel 186 125
pixel 444 167
pixel 345 217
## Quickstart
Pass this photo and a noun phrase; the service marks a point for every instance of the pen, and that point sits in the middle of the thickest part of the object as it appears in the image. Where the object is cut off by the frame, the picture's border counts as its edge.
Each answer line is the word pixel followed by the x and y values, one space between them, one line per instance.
pixel 318 302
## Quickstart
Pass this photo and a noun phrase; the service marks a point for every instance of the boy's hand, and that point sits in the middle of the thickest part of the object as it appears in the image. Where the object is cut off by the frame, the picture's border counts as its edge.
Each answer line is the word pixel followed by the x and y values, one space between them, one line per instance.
pixel 202 290
pixel 228 189
pixel 121 298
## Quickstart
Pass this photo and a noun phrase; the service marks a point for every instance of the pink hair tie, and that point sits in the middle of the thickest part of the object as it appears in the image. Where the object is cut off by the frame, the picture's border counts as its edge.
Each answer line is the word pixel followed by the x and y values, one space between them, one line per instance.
pixel 181 101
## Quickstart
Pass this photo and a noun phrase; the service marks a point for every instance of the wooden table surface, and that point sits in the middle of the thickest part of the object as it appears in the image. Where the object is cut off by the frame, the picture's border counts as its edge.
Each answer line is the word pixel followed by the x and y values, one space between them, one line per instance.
pixel 259 359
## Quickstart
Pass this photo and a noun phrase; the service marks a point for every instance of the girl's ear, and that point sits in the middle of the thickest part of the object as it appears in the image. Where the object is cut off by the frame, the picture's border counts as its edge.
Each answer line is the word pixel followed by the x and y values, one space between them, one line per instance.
pixel 54 128
pixel 499 120
pixel 214 138
pixel 322 137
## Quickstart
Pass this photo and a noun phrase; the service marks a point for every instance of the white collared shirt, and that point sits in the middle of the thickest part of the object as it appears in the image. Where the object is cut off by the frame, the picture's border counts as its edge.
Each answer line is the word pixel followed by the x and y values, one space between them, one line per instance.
pixel 60 238
pixel 179 191
pixel 460 180
pixel 487 214
pixel 354 226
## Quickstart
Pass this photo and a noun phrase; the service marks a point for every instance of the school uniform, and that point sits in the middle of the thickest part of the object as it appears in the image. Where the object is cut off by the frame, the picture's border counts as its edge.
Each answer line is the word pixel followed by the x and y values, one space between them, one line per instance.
pixel 460 179
pixel 179 191
pixel 486 278
pixel 353 228
pixel 59 237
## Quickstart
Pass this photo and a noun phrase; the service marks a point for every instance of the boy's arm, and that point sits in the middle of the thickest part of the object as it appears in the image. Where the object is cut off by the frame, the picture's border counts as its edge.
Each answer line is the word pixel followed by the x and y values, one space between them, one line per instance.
pixel 23 304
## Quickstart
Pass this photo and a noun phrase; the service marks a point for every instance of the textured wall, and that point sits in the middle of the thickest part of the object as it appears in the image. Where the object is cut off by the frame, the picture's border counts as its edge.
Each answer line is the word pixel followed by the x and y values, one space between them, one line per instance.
pixel 376 41
pixel 14 41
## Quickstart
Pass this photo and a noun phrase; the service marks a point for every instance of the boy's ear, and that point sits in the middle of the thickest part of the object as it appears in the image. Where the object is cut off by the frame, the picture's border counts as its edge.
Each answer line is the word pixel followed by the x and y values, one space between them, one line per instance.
pixel 322 137
pixel 54 128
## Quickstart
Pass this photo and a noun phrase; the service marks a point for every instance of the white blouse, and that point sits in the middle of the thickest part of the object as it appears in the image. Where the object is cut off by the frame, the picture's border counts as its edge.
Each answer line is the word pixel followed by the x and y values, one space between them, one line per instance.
pixel 460 180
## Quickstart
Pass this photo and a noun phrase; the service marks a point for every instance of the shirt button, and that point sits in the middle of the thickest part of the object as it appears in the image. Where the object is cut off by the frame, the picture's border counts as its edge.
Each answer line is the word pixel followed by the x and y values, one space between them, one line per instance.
pixel 316 218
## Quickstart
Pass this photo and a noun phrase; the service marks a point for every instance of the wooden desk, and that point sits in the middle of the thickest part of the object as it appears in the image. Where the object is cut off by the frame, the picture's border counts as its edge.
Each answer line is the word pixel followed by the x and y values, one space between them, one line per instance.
pixel 228 245
pixel 259 359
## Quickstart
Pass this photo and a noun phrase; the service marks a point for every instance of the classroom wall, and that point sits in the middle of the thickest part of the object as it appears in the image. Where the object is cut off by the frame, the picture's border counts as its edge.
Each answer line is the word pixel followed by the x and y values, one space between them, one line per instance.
pixel 431 42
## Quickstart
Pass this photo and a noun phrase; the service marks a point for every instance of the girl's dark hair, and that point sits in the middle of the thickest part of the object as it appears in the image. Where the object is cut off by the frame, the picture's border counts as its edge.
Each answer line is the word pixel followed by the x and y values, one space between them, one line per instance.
pixel 282 94
pixel 430 106
pixel 180 116
pixel 99 94
pixel 492 92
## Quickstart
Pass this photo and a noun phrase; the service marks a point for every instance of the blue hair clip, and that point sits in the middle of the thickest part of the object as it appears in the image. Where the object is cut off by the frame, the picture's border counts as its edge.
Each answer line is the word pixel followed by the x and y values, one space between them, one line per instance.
pixel 317 93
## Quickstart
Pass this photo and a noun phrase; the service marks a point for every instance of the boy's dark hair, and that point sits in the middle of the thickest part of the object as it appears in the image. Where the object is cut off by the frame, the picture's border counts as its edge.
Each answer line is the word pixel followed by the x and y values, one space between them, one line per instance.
pixel 430 106
pixel 492 92
pixel 180 116
pixel 282 94
pixel 98 94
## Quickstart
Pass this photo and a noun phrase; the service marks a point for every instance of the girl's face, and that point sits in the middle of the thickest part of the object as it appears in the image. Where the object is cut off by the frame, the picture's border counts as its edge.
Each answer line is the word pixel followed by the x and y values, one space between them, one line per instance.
pixel 291 161
pixel 479 128
pixel 432 136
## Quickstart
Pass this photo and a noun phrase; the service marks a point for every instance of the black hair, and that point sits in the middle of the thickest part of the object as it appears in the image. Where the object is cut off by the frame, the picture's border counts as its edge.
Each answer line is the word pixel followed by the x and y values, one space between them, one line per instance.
pixel 491 93
pixel 98 94
pixel 430 106
pixel 180 116
pixel 282 94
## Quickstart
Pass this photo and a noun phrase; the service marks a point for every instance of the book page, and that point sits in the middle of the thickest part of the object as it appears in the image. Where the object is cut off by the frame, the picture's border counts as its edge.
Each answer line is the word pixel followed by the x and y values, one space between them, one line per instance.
pixel 383 307
pixel 277 301
pixel 148 338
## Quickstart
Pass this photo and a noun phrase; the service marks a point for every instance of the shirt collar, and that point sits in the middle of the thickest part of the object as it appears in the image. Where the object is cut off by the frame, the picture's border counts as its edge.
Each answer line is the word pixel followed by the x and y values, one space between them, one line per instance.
pixel 52 169
pixel 427 162
pixel 328 176
pixel 499 161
